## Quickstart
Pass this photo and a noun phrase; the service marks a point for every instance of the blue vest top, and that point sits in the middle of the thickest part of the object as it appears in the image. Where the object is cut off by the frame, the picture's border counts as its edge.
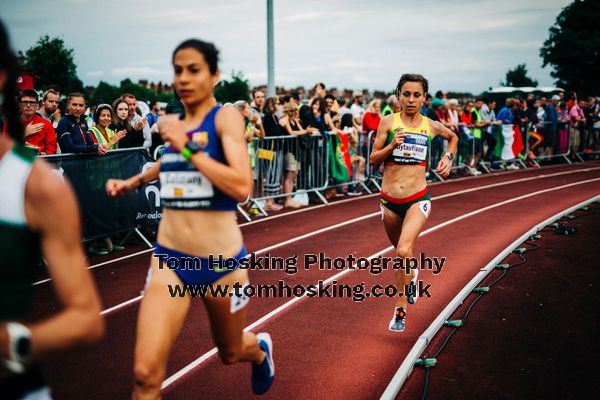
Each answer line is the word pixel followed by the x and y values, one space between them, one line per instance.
pixel 182 186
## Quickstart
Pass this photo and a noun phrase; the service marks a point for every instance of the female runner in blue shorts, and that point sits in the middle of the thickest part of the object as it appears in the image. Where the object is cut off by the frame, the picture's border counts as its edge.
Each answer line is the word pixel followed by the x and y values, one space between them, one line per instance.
pixel 204 172
pixel 402 144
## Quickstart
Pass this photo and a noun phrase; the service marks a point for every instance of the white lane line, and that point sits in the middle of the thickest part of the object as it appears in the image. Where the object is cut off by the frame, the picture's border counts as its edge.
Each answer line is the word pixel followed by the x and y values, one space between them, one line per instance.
pixel 109 310
pixel 173 378
pixel 308 209
pixel 348 200
pixel 351 221
pixel 261 251
pixel 103 263
pixel 241 225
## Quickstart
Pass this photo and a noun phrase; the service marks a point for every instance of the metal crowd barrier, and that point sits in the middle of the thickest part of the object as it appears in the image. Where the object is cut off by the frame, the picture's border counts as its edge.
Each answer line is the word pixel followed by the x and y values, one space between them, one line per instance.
pixel 566 142
pixel 59 155
pixel 556 133
pixel 274 158
pixel 100 215
pixel 360 156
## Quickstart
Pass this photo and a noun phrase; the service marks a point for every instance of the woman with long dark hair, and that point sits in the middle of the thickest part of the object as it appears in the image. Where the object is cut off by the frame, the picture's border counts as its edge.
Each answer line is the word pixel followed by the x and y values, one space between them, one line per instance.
pixel 204 172
pixel 101 131
pixel 273 168
pixel 39 217
pixel 402 144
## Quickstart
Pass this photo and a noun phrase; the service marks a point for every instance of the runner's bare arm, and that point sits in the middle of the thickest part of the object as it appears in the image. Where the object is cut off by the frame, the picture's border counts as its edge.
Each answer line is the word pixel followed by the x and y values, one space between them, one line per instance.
pixel 51 209
pixel 379 152
pixel 437 129
pixel 444 165
pixel 120 187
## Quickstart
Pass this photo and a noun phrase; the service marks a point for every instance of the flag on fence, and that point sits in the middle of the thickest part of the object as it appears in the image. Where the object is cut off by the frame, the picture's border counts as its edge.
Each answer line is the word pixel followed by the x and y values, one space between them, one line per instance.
pixel 509 142
pixel 339 158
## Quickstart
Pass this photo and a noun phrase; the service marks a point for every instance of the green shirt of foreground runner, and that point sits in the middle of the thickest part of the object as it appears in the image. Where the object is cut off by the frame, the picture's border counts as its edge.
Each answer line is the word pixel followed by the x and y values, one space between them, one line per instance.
pixel 19 246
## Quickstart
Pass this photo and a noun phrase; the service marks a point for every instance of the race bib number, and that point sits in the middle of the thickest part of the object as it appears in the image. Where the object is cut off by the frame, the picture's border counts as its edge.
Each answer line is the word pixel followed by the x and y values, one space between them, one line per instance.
pixel 413 149
pixel 182 185
pixel 238 302
pixel 425 207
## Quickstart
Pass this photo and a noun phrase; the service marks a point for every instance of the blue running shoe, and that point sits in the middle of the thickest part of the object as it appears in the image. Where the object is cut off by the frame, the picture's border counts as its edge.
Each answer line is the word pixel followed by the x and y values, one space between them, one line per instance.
pixel 263 374
pixel 398 321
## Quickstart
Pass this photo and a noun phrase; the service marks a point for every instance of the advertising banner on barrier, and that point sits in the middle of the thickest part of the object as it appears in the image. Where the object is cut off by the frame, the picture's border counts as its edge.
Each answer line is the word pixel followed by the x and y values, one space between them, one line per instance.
pixel 100 214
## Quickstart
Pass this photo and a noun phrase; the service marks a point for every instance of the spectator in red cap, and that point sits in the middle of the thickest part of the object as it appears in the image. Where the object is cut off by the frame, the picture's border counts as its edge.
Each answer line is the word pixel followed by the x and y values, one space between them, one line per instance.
pixel 39 132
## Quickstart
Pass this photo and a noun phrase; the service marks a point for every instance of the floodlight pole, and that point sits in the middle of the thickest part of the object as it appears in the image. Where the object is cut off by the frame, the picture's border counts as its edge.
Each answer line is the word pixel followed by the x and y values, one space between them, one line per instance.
pixel 270 51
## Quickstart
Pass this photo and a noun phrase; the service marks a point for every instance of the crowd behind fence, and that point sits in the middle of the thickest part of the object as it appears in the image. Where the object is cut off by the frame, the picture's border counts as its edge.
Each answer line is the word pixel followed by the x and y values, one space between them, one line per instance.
pixel 296 169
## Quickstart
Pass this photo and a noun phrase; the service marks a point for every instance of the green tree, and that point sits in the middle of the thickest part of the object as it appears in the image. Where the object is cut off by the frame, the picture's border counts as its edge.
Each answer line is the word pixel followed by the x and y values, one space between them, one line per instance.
pixel 573 47
pixel 53 64
pixel 105 93
pixel 236 89
pixel 140 92
pixel 517 77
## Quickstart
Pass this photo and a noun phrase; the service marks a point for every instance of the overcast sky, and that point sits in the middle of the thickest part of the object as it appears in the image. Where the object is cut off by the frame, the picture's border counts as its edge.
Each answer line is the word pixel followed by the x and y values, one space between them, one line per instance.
pixel 464 45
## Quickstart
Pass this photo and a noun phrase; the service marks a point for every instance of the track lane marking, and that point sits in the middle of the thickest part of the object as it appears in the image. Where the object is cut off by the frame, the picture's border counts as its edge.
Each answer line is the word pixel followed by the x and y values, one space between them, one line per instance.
pixel 173 378
pixel 332 227
pixel 352 199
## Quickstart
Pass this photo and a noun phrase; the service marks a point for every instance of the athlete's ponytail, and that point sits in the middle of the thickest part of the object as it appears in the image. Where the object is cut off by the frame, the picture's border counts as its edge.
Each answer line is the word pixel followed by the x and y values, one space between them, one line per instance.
pixel 10 109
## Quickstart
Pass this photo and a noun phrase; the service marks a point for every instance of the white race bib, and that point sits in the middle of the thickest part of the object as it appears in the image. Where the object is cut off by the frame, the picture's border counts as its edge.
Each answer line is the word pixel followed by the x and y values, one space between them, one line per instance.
pixel 182 185
pixel 414 148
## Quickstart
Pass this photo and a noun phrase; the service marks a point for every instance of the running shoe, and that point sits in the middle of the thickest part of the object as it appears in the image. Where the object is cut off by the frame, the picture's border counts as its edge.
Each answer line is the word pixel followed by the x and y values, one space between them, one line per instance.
pixel 398 320
pixel 263 374
pixel 97 251
pixel 411 293
pixel 354 193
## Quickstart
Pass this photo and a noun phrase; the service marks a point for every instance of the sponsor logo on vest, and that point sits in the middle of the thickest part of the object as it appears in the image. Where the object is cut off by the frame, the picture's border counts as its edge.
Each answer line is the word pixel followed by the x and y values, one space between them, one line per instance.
pixel 201 138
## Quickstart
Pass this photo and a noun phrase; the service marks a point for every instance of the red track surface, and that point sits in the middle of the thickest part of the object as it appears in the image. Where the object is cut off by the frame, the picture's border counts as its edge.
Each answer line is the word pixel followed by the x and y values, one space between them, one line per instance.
pixel 324 347
pixel 538 325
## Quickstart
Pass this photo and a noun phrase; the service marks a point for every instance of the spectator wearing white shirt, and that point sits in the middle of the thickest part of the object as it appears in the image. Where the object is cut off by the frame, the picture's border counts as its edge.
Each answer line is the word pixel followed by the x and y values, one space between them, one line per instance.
pixel 343 107
pixel 137 121
pixel 357 109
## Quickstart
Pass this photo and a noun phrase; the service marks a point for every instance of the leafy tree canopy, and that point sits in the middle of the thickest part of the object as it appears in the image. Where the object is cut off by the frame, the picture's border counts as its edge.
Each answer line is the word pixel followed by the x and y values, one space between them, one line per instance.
pixel 53 64
pixel 517 77
pixel 573 47
pixel 233 90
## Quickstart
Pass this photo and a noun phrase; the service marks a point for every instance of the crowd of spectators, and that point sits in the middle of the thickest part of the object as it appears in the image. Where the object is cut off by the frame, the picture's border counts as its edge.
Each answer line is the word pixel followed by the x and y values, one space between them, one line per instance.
pixel 552 125
pixel 81 128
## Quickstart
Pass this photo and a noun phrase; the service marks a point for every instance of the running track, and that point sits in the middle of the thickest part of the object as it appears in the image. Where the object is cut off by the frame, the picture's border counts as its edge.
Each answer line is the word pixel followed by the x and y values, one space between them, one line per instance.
pixel 324 347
